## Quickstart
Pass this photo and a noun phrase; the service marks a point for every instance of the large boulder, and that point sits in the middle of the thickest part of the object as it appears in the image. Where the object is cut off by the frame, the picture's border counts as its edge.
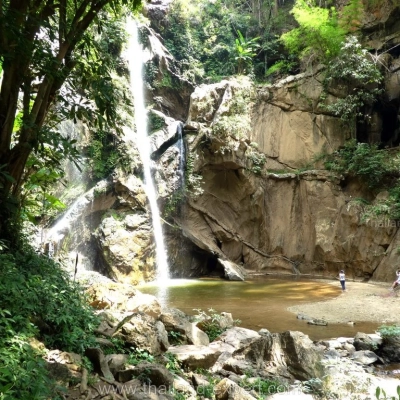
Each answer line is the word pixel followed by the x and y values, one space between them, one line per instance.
pixel 194 357
pixel 363 341
pixel 144 332
pixel 124 297
pixel 302 357
pixel 176 321
pixel 390 349
pixel 229 390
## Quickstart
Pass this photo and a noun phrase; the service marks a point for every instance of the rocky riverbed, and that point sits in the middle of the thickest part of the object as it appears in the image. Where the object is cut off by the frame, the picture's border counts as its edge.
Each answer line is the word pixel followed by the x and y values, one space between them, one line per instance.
pixel 150 352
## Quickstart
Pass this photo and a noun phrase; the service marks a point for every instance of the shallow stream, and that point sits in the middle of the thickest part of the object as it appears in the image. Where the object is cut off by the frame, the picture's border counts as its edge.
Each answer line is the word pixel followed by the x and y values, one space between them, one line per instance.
pixel 259 303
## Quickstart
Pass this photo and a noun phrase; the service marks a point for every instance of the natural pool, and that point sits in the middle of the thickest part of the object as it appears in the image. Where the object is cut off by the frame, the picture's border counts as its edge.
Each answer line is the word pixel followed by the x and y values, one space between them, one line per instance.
pixel 259 303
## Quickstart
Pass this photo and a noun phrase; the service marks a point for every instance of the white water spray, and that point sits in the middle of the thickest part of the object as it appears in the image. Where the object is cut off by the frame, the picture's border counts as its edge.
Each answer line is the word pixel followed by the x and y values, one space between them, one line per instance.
pixel 135 60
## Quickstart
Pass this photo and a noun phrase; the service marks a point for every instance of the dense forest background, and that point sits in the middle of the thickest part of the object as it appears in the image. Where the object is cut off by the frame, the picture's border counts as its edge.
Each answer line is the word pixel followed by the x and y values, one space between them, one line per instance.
pixel 63 62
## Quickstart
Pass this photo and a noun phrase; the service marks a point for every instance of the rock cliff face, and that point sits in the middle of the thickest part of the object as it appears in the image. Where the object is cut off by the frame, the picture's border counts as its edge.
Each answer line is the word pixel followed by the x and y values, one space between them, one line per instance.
pixel 263 202
pixel 306 221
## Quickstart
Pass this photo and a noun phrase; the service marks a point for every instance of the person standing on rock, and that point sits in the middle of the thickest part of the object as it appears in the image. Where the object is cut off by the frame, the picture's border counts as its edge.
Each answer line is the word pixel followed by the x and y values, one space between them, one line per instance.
pixel 342 279
pixel 397 281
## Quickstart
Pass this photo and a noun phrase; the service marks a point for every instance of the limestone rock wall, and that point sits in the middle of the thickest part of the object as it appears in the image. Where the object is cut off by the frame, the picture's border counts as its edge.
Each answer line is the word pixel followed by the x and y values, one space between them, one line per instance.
pixel 285 218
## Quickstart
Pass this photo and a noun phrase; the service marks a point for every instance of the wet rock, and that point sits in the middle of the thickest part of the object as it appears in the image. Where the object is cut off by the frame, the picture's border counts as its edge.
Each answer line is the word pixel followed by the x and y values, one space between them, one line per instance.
pixel 390 349
pixel 364 357
pixel 319 322
pixel 233 272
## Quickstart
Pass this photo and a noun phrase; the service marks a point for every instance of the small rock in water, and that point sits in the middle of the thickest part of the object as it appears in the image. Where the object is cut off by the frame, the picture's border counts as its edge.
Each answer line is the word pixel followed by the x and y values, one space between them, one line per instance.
pixel 319 322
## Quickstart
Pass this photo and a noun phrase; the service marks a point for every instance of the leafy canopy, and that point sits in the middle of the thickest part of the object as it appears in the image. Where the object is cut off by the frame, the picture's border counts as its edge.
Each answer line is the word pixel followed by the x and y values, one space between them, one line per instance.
pixel 58 61
pixel 319 35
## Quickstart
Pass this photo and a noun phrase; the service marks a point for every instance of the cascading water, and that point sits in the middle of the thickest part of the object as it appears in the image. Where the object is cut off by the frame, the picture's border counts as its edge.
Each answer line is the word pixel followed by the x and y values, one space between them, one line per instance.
pixel 135 60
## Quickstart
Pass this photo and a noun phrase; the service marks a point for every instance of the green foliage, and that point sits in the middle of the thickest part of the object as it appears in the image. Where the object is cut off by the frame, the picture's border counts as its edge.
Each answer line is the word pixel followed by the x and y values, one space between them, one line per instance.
pixel 350 17
pixel 173 203
pixel 118 347
pixel 193 180
pixel 23 373
pixel 263 387
pixel 319 36
pixel 376 168
pixel 384 396
pixel 280 67
pixel 155 122
pixel 65 68
pixel 173 364
pixel 388 331
pixel 175 337
pixel 257 160
pixel 104 155
pixel 363 160
pixel 353 72
pixel 137 355
pixel 232 125
pixel 211 322
pixel 246 50
pixel 207 391
pixel 235 122
pixel 203 36
pixel 38 292
pixel 36 197
pixel 37 299
pixel 176 394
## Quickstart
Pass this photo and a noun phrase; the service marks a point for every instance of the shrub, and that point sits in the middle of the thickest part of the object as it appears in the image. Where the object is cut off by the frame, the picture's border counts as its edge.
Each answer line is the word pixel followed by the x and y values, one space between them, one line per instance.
pixel 363 160
pixel 211 322
pixel 318 37
pixel 137 355
pixel 39 292
pixel 263 387
pixel 37 299
pixel 355 73
pixel 388 331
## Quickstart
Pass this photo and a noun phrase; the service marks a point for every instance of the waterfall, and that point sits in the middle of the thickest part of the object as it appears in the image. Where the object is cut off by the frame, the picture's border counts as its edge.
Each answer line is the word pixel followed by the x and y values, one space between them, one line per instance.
pixel 135 61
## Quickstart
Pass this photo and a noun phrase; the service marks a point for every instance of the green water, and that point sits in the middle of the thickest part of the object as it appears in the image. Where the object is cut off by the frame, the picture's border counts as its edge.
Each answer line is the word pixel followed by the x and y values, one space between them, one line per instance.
pixel 260 303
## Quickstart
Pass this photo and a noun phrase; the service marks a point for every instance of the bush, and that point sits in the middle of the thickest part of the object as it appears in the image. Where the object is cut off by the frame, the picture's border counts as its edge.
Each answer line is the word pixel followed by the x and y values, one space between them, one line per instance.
pixel 389 331
pixel 37 299
pixel 363 160
pixel 39 292
pixel 355 73
pixel 211 322
pixel 319 37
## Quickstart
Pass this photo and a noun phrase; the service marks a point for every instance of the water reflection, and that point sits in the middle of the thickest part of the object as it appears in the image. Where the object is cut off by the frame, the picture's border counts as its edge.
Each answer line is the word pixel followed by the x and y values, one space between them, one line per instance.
pixel 260 303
